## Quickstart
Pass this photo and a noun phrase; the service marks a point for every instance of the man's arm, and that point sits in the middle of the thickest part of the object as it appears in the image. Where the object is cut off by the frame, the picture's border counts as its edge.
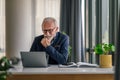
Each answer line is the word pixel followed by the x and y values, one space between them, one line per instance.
pixel 62 55
pixel 33 47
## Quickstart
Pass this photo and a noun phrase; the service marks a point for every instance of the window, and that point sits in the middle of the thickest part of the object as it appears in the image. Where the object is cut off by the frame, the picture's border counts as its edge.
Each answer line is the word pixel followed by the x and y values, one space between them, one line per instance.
pixel 46 8
pixel 101 16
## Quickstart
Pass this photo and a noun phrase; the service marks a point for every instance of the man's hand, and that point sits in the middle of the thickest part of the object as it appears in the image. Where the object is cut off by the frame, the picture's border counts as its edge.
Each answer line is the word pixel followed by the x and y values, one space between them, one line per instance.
pixel 46 41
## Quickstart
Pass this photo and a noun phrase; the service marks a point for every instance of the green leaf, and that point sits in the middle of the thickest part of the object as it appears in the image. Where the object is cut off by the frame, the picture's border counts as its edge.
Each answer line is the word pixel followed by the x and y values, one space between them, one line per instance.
pixel 3 75
pixel 104 48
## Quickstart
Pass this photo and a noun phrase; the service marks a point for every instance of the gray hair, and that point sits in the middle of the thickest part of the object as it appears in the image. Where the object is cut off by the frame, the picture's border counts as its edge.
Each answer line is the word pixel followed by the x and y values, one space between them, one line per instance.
pixel 48 19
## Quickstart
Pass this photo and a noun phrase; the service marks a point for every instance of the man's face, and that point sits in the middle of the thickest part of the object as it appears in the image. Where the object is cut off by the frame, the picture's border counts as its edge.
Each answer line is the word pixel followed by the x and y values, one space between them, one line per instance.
pixel 49 29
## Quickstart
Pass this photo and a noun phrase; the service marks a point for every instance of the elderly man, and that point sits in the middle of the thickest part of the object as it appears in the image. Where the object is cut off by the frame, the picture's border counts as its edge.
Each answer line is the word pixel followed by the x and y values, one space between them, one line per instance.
pixel 54 43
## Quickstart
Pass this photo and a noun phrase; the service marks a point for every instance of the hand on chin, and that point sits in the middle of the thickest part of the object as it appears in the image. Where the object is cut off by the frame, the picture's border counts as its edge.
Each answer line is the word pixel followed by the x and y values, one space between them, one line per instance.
pixel 49 37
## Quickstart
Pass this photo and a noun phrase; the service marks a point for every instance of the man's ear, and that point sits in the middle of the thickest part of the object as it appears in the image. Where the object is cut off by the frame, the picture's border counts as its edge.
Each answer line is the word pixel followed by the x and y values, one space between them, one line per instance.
pixel 57 29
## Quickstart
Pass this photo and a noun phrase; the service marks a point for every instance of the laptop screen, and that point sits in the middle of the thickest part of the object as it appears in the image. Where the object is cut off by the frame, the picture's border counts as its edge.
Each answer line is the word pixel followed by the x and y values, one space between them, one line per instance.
pixel 34 59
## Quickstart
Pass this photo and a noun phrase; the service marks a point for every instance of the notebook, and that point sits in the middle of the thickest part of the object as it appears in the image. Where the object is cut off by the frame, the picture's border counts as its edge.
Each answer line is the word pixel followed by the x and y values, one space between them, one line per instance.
pixel 34 59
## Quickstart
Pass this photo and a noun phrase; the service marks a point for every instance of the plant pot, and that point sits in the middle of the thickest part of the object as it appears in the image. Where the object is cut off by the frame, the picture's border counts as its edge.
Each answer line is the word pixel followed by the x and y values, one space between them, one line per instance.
pixel 105 61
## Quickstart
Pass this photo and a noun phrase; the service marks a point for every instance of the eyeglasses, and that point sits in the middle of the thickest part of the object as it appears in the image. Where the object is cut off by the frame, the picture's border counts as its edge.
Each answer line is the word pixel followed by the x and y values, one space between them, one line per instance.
pixel 48 30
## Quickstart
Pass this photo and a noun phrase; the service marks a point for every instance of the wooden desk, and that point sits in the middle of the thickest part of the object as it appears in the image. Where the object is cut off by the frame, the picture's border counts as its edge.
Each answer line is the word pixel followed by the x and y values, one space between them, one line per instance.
pixel 62 77
pixel 55 73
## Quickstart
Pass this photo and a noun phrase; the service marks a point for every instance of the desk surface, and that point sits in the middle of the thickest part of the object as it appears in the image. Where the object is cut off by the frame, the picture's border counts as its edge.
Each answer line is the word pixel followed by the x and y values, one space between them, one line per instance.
pixel 54 69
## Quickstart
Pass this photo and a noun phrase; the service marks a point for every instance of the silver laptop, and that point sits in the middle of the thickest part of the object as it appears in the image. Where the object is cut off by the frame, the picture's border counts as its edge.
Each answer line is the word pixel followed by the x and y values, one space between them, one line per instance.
pixel 34 59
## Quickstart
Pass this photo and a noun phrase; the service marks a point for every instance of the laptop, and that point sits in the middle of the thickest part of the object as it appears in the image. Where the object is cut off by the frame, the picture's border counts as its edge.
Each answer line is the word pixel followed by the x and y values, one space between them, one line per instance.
pixel 34 59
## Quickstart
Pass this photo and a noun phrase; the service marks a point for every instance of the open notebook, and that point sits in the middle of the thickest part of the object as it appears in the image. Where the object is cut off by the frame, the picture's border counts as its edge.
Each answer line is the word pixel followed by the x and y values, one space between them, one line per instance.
pixel 78 64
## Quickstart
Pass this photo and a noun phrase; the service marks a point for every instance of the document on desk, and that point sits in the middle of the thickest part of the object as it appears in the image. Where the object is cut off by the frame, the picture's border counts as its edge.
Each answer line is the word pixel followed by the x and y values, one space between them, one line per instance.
pixel 78 65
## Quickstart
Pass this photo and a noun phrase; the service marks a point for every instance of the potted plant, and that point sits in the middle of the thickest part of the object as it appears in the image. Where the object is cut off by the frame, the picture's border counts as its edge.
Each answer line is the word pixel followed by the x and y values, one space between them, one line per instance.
pixel 69 53
pixel 104 51
pixel 69 49
pixel 4 66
